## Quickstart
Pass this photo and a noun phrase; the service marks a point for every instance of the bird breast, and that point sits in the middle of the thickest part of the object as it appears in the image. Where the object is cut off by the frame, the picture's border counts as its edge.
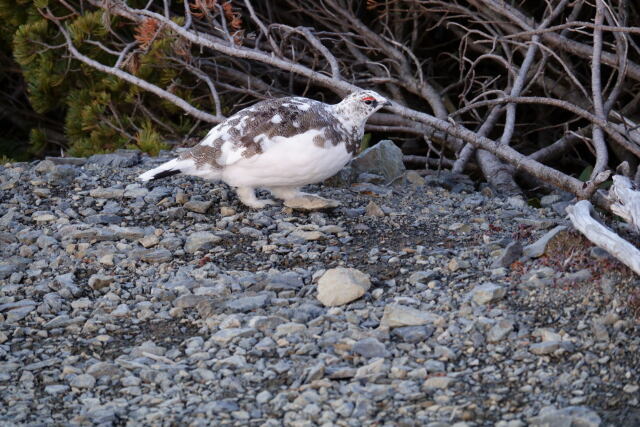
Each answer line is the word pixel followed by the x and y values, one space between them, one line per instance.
pixel 289 161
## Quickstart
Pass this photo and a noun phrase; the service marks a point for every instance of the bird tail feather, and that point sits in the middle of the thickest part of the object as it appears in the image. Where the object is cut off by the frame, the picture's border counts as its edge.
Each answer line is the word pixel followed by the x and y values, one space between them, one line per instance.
pixel 172 167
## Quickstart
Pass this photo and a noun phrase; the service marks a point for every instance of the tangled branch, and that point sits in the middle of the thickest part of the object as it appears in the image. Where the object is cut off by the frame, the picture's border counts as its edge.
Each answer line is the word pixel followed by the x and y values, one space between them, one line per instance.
pixel 524 84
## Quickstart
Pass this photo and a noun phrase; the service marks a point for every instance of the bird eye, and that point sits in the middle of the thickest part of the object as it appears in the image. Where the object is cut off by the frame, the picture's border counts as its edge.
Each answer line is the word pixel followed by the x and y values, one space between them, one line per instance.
pixel 368 101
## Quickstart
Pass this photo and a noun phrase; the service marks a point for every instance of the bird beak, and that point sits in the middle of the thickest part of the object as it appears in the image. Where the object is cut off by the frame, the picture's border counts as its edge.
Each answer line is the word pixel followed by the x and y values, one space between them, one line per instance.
pixel 387 104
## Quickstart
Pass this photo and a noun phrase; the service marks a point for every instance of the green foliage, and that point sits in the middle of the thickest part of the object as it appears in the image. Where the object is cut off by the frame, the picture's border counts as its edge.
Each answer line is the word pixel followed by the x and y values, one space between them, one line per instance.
pixel 366 140
pixel 99 112
pixel 586 173
pixel 38 140
pixel 4 160
pixel 148 140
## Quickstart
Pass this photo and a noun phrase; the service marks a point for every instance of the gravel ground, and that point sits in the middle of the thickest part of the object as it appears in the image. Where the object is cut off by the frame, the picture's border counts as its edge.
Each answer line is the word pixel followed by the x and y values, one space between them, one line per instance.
pixel 173 304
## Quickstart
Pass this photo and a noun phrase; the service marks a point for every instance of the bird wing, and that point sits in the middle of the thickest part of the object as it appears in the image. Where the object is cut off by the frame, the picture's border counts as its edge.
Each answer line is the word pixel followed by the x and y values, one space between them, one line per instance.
pixel 253 130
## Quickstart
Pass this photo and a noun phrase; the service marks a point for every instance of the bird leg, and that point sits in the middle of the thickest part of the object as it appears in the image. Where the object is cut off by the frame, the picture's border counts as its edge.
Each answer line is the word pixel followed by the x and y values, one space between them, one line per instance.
pixel 287 193
pixel 247 196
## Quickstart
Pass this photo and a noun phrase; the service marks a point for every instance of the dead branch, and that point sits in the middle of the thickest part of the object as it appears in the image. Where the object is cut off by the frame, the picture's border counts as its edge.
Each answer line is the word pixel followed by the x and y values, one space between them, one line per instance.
pixel 603 237
pixel 625 201
pixel 452 69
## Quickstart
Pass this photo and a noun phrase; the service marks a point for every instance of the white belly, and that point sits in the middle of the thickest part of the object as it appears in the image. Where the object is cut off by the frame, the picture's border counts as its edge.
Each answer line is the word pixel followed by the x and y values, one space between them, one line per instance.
pixel 287 162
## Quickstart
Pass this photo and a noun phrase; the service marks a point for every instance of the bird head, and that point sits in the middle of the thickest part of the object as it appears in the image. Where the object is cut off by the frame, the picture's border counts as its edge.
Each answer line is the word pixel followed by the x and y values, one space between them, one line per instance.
pixel 358 106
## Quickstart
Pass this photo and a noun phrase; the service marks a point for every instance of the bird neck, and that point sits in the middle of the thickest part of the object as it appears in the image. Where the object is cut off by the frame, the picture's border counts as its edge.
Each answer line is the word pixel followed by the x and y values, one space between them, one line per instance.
pixel 352 119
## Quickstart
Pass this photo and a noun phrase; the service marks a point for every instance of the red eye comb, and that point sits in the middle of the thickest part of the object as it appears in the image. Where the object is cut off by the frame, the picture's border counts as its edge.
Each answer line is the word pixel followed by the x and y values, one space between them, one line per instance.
pixel 368 98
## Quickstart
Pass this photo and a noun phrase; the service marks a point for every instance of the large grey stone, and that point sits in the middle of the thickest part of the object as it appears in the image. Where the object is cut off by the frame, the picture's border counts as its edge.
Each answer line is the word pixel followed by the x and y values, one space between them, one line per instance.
pixel 384 158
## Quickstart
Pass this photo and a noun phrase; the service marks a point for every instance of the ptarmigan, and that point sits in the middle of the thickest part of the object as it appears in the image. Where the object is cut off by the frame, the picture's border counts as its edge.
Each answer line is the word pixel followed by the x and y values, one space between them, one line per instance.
pixel 279 145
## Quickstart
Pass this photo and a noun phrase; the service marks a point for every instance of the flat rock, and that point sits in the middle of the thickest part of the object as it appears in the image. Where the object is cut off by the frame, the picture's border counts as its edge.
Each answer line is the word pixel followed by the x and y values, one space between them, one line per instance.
pixel 117 159
pixel 99 281
pixel 414 178
pixel 83 381
pixel 538 248
pixel 438 383
pixel 571 416
pixel 201 241
pixel 397 315
pixel 188 300
pixel 245 304
pixel 487 293
pixel 107 193
pixel 413 334
pixel 159 255
pixel 56 388
pixel 103 219
pixel 101 369
pixel 149 240
pixel 371 189
pixel 198 206
pixel 226 335
pixel 308 235
pixel 421 277
pixel 74 161
pixel 370 347
pixel 509 255
pixel 373 209
pixel 340 286
pixel 58 322
pixel 500 330
pixel 544 347
pixel 311 203
pixel 129 233
pixel 43 217
pixel 148 347
pixel 17 314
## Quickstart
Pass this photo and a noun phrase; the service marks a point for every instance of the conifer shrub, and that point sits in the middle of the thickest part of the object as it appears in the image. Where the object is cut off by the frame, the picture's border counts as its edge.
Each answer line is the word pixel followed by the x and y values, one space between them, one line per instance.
pixel 82 111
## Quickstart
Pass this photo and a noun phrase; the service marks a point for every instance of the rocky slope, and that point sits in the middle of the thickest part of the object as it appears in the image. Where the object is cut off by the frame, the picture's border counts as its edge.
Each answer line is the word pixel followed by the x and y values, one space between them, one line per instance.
pixel 175 305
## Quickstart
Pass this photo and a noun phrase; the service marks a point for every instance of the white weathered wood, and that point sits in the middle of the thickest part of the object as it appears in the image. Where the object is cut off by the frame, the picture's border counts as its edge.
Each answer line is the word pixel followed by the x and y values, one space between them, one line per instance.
pixel 625 252
pixel 625 201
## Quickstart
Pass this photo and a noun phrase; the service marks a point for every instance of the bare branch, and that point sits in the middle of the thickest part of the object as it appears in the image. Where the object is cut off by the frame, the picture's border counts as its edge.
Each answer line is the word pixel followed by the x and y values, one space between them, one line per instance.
pixel 602 156
pixel 138 82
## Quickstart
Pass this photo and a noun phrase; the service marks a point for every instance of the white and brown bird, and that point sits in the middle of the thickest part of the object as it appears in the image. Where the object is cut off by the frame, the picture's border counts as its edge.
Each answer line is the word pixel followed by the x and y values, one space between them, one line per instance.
pixel 278 145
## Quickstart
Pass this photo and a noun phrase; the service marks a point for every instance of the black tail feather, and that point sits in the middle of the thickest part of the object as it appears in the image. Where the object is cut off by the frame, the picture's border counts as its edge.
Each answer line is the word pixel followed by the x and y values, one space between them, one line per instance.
pixel 166 173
